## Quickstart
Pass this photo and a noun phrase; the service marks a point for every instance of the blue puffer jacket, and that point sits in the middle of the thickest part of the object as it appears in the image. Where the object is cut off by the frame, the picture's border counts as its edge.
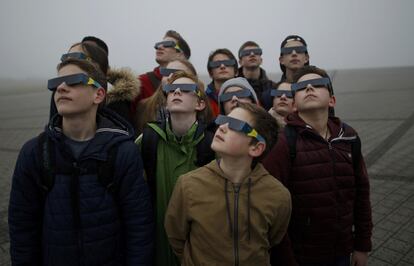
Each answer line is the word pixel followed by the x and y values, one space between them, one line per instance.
pixel 104 227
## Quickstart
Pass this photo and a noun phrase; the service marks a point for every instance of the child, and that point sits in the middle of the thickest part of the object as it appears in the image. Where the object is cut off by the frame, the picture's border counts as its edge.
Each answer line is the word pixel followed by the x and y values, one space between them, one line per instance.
pixel 174 147
pixel 319 160
pixel 231 211
pixel 78 195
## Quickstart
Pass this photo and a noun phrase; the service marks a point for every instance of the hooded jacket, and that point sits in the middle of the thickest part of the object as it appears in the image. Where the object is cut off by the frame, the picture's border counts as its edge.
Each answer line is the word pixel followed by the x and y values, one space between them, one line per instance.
pixel 210 221
pixel 124 88
pixel 331 210
pixel 79 221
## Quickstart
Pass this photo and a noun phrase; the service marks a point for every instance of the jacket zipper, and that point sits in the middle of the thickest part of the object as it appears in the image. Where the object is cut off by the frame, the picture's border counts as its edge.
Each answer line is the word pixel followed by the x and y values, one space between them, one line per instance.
pixel 236 225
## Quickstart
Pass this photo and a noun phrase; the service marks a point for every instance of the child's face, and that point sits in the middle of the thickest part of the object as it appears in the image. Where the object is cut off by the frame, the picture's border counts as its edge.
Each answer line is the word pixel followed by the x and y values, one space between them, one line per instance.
pixel 283 105
pixel 294 60
pixel 312 98
pixel 184 102
pixel 228 106
pixel 230 142
pixel 76 99
pixel 175 65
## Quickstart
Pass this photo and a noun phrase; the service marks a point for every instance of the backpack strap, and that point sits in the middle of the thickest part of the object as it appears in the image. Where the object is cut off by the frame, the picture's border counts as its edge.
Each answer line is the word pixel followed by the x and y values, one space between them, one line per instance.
pixel 149 145
pixel 291 136
pixel 204 152
pixel 355 149
pixel 47 162
pixel 106 170
pixel 154 80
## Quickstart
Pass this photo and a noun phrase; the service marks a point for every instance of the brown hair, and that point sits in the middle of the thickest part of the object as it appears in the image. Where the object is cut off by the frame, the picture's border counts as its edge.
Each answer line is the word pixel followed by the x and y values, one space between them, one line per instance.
pixel 313 70
pixel 91 70
pixel 97 54
pixel 180 41
pixel 205 115
pixel 244 45
pixel 265 125
pixel 224 51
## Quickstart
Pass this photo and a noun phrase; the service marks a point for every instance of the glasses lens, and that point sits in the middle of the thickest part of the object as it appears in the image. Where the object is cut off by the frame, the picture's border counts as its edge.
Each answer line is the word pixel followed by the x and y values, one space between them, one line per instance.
pixel 297 49
pixel 256 51
pixel 216 64
pixel 165 72
pixel 316 83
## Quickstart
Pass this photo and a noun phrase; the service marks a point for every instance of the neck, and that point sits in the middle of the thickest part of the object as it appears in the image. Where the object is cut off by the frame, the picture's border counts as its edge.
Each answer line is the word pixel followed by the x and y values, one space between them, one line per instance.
pixel 280 118
pixel 236 169
pixel 217 84
pixel 79 128
pixel 289 75
pixel 318 120
pixel 251 73
pixel 181 123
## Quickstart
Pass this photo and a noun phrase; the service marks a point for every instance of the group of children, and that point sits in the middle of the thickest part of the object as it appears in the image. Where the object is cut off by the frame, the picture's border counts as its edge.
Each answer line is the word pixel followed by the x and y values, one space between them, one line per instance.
pixel 212 179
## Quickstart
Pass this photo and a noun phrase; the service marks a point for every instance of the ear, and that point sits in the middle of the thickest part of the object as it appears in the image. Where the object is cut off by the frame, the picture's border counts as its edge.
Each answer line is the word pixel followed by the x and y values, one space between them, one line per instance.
pixel 332 101
pixel 257 149
pixel 307 58
pixel 100 94
pixel 281 60
pixel 201 104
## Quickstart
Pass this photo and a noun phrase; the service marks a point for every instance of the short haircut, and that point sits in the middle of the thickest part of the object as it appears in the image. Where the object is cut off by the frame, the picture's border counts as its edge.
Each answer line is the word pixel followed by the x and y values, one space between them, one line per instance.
pixel 91 69
pixel 265 124
pixel 244 45
pixel 97 41
pixel 224 51
pixel 97 54
pixel 313 70
pixel 206 114
pixel 180 41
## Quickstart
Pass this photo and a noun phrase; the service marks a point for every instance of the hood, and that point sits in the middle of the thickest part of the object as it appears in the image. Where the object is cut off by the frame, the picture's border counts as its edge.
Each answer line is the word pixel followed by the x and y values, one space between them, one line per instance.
pixel 255 175
pixel 125 86
pixel 111 130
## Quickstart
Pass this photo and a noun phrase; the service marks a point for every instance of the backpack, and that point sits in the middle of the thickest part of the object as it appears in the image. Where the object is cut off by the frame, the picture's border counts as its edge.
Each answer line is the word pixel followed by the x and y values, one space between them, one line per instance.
pixel 291 137
pixel 149 146
pixel 49 168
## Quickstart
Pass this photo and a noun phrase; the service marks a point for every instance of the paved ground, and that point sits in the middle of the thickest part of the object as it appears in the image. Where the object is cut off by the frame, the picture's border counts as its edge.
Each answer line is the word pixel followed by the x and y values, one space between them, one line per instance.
pixel 377 102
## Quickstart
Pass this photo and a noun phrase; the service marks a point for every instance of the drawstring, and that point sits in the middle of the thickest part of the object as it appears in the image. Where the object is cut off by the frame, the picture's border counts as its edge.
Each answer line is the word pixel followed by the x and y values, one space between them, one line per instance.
pixel 248 208
pixel 228 209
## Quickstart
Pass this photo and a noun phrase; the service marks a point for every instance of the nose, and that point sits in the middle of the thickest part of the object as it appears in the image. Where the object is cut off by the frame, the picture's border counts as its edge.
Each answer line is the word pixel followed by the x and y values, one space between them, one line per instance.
pixel 62 87
pixel 222 65
pixel 223 128
pixel 234 98
pixel 309 87
pixel 177 91
pixel 283 96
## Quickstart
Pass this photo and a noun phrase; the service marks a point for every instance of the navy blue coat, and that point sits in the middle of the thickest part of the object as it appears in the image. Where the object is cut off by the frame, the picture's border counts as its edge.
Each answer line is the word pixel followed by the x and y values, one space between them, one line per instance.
pixel 105 228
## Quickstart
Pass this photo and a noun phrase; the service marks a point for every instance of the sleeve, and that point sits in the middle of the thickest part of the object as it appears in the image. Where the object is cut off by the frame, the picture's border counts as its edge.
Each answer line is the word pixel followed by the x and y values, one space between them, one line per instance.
pixel 362 208
pixel 26 211
pixel 176 222
pixel 281 218
pixel 277 162
pixel 136 209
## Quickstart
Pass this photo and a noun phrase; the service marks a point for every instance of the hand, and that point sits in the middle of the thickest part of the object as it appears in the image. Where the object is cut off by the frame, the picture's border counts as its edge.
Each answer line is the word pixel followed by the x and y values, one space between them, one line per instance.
pixel 359 258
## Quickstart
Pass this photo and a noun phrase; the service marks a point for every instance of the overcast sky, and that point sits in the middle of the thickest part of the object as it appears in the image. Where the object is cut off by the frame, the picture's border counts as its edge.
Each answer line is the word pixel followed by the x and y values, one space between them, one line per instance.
pixel 340 34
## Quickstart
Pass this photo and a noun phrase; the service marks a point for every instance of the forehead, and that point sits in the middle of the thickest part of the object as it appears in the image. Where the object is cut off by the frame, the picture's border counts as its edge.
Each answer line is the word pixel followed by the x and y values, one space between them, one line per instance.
pixel 183 81
pixel 250 47
pixel 177 65
pixel 293 43
pixel 284 86
pixel 218 57
pixel 167 38
pixel 309 77
pixel 242 115
pixel 233 89
pixel 76 49
pixel 70 70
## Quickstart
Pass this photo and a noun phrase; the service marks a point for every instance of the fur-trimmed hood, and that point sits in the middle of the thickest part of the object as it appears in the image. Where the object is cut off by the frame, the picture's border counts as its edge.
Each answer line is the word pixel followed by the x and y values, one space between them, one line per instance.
pixel 125 85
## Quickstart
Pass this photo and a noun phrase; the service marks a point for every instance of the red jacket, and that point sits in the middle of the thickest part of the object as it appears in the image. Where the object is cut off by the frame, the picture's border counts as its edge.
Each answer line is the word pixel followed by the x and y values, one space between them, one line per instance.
pixel 329 194
pixel 147 88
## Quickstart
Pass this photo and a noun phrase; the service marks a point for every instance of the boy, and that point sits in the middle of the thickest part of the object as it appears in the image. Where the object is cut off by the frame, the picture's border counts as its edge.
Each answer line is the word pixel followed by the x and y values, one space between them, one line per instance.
pixel 206 227
pixel 319 160
pixel 173 147
pixel 78 195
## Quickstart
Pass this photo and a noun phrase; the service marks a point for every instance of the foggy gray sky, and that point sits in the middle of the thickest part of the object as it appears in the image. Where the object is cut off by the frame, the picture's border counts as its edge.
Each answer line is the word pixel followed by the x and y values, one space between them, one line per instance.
pixel 340 34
